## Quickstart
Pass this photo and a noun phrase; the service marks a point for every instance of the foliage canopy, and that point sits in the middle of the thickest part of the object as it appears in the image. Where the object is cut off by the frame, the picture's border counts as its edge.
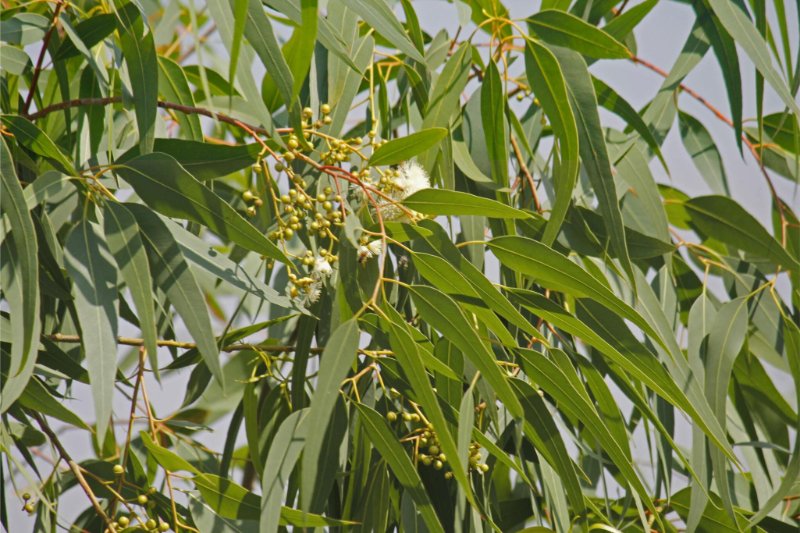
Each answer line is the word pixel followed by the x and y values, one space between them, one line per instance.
pixel 413 280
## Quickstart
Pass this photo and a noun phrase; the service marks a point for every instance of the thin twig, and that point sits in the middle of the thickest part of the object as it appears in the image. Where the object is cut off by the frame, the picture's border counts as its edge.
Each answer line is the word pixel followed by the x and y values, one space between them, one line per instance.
pixel 721 116
pixel 38 69
pixel 527 173
pixel 75 470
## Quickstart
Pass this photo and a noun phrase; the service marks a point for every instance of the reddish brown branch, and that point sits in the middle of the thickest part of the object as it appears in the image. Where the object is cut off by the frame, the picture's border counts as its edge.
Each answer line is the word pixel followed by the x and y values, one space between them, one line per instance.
pixel 38 69
pixel 721 116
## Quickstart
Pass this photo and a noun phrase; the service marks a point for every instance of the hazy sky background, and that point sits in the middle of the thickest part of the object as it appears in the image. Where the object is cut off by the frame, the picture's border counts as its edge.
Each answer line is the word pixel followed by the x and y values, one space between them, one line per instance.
pixel 660 38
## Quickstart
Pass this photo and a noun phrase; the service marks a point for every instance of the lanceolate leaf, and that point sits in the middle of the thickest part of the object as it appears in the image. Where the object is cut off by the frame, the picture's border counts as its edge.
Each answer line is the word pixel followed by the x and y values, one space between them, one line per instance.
pixel 704 152
pixel 495 125
pixel 378 15
pixel 31 137
pixel 140 55
pixel 594 154
pixel 125 244
pixel 259 32
pixel 547 80
pixel 404 148
pixel 735 20
pixel 23 236
pixel 394 454
pixel 94 278
pixel 169 189
pixel 724 219
pixel 563 29
pixel 172 83
pixel 336 360
pixel 446 202
pixel 173 275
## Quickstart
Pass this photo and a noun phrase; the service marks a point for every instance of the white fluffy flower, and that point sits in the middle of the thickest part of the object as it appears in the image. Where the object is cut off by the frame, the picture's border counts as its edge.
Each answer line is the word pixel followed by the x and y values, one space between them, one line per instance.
pixel 309 293
pixel 369 250
pixel 322 268
pixel 412 178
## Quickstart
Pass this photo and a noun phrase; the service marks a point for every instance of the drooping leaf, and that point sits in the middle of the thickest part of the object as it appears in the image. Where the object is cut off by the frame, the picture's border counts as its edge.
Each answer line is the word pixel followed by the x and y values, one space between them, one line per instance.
pixel 548 83
pixel 169 189
pixel 140 55
pixel 94 278
pixel 394 454
pixel 446 202
pixel 563 29
pixel 404 148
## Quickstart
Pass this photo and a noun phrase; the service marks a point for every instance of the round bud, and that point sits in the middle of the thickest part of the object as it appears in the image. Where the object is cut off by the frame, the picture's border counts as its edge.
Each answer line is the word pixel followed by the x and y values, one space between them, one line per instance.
pixel 415 417
pixel 520 96
pixel 251 211
pixel 123 521
pixel 434 450
pixel 328 190
pixel 327 120
pixel 118 469
pixel 321 197
pixel 150 524
pixel 391 416
pixel 308 112
pixel 248 196
pixel 426 460
pixel 258 202
pixel 285 199
pixel 288 156
pixel 438 465
pixel 28 508
pixel 448 475
pixel 26 496
pixel 163 526
pixel 483 467
pixel 293 144
pixel 288 233
pixel 279 167
pixel 442 457
pixel 325 108
pixel 141 499
pixel 407 417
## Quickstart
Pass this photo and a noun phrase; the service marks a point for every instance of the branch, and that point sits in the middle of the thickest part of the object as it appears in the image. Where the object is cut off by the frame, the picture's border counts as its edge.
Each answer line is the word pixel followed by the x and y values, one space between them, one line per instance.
pixel 38 69
pixel 720 115
pixel 189 110
pixel 75 470
pixel 130 341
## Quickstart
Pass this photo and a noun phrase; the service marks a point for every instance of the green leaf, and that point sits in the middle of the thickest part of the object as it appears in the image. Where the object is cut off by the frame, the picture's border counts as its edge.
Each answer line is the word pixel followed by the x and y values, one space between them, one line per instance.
pixel 593 151
pixel 447 202
pixel 382 438
pixel 168 188
pixel 410 359
pixel 704 152
pixel 168 460
pixel 441 312
pixel 125 244
pixel 300 48
pixel 553 270
pixel 205 161
pixel 379 16
pixel 173 84
pixel 335 362
pixel 725 340
pixel 25 246
pixel 90 32
pixel 735 20
pixel 94 280
pixel 231 500
pixel 495 125
pixel 173 275
pixel 283 454
pixel 724 219
pixel 563 29
pixel 139 52
pixel 38 399
pixel 611 100
pixel 398 150
pixel 15 60
pixel 624 23
pixel 239 8
pixel 543 433
pixel 445 97
pixel 261 36
pixel 548 83
pixel 31 137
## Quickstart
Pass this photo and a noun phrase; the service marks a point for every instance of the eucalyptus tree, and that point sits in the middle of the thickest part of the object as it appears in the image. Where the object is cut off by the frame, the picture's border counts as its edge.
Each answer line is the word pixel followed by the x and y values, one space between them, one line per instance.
pixel 308 265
